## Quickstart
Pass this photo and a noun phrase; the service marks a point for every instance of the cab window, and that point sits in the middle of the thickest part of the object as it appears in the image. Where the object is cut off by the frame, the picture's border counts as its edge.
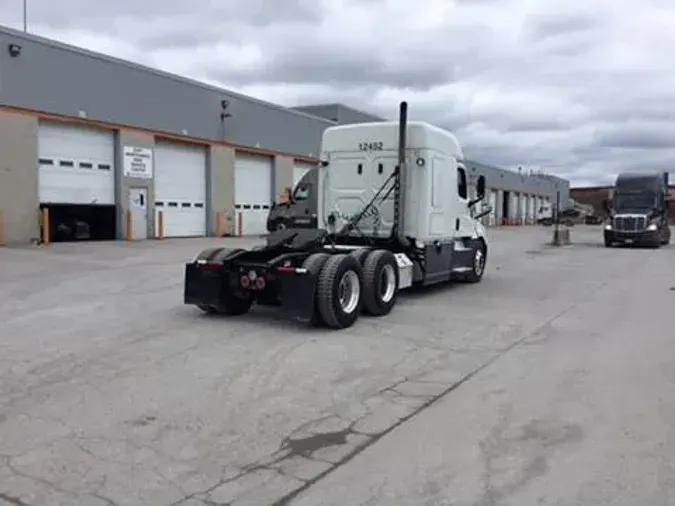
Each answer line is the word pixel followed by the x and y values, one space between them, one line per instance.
pixel 461 183
pixel 301 193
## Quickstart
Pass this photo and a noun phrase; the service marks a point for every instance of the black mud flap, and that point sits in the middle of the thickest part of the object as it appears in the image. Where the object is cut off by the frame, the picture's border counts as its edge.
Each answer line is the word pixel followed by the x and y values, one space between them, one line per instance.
pixel 203 285
pixel 297 296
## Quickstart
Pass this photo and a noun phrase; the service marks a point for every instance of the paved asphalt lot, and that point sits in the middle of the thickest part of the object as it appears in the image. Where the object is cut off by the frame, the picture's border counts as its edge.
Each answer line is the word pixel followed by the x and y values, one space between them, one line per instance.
pixel 551 382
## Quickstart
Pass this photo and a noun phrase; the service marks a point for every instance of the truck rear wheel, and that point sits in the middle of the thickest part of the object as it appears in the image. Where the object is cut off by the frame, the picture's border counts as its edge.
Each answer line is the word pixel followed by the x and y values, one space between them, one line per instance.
pixel 314 263
pixel 338 291
pixel 207 254
pixel 380 282
pixel 233 304
pixel 360 254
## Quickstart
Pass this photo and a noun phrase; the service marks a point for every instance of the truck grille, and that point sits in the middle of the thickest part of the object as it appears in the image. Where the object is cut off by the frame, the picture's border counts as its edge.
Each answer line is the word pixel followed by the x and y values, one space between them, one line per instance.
pixel 630 223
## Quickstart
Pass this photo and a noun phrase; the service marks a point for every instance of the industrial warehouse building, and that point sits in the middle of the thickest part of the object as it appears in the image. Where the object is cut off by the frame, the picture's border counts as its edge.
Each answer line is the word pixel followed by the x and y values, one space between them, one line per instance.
pixel 95 139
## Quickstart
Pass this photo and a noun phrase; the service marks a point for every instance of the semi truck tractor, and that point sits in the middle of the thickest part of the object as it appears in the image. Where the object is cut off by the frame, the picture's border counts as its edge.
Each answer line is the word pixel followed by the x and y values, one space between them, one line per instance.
pixel 638 212
pixel 300 210
pixel 393 212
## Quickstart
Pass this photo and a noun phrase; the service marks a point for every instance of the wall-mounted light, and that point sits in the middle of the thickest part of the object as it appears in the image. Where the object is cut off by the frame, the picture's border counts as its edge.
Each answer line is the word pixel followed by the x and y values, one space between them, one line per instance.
pixel 14 50
pixel 224 105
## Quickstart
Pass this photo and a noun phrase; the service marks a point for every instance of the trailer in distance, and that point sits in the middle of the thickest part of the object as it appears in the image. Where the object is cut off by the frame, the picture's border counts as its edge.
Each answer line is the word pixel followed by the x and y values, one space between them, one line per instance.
pixel 394 207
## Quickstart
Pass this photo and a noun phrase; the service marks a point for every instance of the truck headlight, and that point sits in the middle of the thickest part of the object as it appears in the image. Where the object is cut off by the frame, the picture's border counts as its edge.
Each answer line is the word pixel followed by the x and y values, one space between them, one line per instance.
pixel 608 226
pixel 652 227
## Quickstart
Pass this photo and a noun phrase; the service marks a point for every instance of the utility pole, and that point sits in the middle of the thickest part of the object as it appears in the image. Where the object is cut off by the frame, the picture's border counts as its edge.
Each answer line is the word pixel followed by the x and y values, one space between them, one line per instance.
pixel 25 15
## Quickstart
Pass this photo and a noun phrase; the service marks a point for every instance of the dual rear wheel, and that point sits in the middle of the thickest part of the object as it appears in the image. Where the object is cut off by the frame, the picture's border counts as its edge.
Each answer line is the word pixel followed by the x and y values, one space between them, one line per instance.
pixel 348 284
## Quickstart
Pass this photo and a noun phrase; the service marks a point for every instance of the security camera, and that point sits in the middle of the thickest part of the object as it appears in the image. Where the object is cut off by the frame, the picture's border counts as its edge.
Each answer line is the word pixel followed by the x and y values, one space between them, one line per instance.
pixel 224 104
pixel 14 50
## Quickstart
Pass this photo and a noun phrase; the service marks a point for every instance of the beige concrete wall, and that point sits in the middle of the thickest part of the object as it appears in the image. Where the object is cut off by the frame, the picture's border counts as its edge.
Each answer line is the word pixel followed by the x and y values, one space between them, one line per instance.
pixel 122 183
pixel 283 173
pixel 19 177
pixel 220 187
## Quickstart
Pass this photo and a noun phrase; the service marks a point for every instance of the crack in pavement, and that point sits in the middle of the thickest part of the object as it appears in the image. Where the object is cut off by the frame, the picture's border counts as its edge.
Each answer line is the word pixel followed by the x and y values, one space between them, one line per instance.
pixel 13 500
pixel 374 438
pixel 306 447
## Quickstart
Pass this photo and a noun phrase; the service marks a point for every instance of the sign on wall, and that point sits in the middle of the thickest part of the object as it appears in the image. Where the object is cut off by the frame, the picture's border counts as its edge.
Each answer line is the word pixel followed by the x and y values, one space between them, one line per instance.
pixel 137 162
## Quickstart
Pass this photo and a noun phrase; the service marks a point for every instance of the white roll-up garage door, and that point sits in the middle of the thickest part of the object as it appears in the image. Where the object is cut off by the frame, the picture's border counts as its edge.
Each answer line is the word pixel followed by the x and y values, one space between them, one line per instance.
pixel 513 208
pixel 180 188
pixel 492 220
pixel 76 164
pixel 253 192
pixel 300 169
pixel 523 208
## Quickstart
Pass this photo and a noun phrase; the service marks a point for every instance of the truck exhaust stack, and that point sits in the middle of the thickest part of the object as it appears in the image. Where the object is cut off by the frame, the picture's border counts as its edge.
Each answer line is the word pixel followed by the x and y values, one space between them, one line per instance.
pixel 399 192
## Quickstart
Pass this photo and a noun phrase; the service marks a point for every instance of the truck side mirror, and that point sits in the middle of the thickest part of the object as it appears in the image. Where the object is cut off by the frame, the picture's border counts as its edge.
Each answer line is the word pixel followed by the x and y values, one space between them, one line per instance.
pixel 480 187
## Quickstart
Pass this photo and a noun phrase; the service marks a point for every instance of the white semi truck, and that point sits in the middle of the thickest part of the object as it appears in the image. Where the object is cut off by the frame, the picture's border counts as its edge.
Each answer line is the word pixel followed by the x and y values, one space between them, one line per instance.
pixel 393 212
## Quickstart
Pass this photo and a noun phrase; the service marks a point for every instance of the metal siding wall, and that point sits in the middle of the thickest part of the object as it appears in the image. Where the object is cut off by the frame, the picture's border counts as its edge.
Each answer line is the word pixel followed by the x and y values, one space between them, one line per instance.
pixel 339 113
pixel 516 182
pixel 347 115
pixel 328 112
pixel 55 79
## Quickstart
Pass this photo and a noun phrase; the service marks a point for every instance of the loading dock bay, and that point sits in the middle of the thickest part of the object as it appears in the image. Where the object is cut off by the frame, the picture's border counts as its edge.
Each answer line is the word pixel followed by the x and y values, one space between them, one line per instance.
pixel 112 392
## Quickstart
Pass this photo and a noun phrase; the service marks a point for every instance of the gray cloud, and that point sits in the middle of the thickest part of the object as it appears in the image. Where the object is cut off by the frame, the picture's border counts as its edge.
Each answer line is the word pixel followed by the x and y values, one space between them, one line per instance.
pixel 635 135
pixel 562 25
pixel 582 89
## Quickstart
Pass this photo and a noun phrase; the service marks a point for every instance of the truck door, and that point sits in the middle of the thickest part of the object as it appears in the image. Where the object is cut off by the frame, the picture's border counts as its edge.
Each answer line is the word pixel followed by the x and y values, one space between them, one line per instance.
pixel 302 199
pixel 464 223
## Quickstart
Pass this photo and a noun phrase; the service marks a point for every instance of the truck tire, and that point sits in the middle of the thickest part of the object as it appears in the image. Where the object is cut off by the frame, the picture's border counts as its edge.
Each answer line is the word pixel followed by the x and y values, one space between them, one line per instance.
pixel 380 282
pixel 207 254
pixel 280 224
pixel 339 291
pixel 360 255
pixel 313 263
pixel 477 264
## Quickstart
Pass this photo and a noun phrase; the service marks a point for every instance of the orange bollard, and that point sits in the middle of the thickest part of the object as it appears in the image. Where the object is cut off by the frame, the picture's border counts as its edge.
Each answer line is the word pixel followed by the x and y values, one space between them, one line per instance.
pixel 228 224
pixel 219 231
pixel 129 222
pixel 160 225
pixel 46 227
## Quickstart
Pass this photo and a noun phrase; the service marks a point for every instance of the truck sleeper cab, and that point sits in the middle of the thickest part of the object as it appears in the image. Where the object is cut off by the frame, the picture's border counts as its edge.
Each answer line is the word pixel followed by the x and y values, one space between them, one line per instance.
pixel 638 213
pixel 393 212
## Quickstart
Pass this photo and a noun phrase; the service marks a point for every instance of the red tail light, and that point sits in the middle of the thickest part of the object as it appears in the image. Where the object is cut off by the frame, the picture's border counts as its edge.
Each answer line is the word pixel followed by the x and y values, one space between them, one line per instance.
pixel 260 283
pixel 210 264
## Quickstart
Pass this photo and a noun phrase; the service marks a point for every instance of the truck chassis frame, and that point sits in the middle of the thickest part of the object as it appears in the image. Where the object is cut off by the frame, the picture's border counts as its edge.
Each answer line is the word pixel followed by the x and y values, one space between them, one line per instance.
pixel 314 277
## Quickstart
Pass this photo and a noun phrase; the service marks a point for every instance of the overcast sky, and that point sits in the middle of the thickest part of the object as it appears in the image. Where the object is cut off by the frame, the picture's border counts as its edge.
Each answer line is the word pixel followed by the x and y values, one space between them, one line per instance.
pixel 583 89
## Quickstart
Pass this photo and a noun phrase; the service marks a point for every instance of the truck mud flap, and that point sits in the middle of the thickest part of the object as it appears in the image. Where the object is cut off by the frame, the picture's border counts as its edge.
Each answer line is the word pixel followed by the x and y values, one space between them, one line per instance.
pixel 202 285
pixel 297 296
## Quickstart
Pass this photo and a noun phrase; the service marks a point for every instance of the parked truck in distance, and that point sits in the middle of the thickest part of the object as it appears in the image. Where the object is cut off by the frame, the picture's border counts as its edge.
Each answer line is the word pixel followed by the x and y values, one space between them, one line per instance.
pixel 638 212
pixel 300 210
pixel 394 212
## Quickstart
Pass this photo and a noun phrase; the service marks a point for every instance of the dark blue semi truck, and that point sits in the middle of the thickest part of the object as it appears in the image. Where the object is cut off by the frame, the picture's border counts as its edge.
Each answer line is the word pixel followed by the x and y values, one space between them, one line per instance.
pixel 300 210
pixel 638 212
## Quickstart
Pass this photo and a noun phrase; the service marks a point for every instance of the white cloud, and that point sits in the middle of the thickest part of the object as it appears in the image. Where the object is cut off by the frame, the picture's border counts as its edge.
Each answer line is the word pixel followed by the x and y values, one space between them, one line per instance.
pixel 585 88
